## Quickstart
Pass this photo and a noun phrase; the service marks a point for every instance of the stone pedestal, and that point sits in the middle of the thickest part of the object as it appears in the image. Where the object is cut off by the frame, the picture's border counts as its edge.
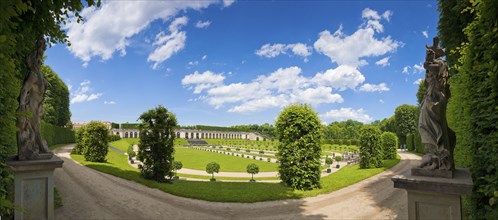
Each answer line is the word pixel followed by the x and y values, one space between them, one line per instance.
pixel 34 187
pixel 434 197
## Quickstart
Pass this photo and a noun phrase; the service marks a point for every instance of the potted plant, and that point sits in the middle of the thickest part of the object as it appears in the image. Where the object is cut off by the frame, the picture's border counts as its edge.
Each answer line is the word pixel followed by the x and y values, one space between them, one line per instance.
pixel 176 166
pixel 212 168
pixel 329 162
pixel 338 158
pixel 252 169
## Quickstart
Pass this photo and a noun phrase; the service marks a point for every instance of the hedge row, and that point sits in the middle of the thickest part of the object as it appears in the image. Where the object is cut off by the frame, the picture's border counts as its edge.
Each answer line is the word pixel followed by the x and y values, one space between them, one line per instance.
pixel 414 143
pixel 56 135
pixel 341 141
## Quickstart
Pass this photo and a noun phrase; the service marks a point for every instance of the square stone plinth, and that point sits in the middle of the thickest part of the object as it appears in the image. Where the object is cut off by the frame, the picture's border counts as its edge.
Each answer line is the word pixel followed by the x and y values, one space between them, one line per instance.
pixel 34 187
pixel 434 197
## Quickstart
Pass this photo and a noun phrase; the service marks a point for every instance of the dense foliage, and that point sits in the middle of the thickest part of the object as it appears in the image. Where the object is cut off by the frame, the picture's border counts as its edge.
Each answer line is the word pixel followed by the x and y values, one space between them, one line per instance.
pixel 264 129
pixel 56 135
pixel 21 23
pixel 473 110
pixel 348 132
pixel 406 121
pixel 129 125
pixel 212 168
pixel 370 149
pixel 298 131
pixel 389 144
pixel 114 137
pixel 56 102
pixel 155 148
pixel 91 141
pixel 414 143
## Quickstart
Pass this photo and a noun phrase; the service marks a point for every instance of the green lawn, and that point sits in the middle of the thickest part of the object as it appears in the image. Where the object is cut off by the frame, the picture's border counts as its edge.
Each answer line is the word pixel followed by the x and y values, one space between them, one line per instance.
pixel 226 178
pixel 117 165
pixel 122 144
pixel 198 159
pixel 177 142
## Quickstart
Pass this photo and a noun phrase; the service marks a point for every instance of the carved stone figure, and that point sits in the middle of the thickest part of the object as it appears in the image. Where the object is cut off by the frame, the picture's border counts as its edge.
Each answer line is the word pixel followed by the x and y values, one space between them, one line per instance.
pixel 439 140
pixel 30 143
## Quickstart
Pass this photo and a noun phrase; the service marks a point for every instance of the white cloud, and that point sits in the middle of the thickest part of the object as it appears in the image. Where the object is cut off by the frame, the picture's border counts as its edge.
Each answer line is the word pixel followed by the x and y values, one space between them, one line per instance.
pixel 418 81
pixel 383 62
pixel 381 101
pixel 387 15
pixel 273 50
pixel 227 3
pixel 341 78
pixel 415 69
pixel 277 89
pixel 426 35
pixel 202 24
pixel 108 29
pixel 370 14
pixel 204 57
pixel 344 114
pixel 82 93
pixel 350 49
pixel 167 45
pixel 203 81
pixel 109 102
pixel 374 88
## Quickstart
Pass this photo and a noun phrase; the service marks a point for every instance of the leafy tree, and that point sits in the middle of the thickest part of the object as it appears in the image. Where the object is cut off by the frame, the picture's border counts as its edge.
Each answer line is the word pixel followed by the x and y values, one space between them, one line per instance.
pixel 389 144
pixel 252 169
pixel 212 168
pixel 388 124
pixel 93 141
pixel 177 165
pixel 421 92
pixel 299 150
pixel 405 120
pixel 21 23
pixel 370 150
pixel 56 102
pixel 155 148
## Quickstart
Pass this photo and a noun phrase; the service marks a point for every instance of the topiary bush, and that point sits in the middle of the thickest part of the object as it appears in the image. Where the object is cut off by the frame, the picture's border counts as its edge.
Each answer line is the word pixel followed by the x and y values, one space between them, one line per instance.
pixel 177 165
pixel 252 169
pixel 212 168
pixel 130 152
pixel 155 148
pixel 95 142
pixel 370 150
pixel 389 143
pixel 298 130
pixel 114 137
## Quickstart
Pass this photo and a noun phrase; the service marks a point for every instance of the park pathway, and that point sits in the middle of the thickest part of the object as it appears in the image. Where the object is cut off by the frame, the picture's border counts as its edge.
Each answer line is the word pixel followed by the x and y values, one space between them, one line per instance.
pixel 89 194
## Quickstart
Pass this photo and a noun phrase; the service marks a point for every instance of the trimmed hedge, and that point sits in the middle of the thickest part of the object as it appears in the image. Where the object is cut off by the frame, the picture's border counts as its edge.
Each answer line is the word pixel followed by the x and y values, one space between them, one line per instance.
pixel 370 150
pixel 56 135
pixel 389 143
pixel 414 143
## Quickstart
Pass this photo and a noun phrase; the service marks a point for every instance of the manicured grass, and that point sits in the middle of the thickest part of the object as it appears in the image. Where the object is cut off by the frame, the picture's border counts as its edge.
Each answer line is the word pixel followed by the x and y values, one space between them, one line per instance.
pixel 122 144
pixel 53 147
pixel 198 159
pixel 212 191
pixel 177 142
pixel 226 178
pixel 117 165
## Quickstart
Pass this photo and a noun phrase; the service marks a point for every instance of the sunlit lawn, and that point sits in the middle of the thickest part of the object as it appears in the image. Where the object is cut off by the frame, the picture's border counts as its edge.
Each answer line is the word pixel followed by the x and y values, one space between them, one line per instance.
pixel 117 165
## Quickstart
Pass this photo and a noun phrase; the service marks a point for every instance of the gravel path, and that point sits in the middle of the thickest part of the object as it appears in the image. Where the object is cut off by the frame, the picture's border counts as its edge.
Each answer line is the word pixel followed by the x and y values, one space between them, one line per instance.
pixel 88 194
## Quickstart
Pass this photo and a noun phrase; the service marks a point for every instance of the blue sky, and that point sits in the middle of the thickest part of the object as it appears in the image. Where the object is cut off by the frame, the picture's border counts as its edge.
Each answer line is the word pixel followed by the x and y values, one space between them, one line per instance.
pixel 240 62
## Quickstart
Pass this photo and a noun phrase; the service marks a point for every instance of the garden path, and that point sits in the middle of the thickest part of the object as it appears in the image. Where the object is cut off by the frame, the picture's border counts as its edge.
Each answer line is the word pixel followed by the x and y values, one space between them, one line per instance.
pixel 89 194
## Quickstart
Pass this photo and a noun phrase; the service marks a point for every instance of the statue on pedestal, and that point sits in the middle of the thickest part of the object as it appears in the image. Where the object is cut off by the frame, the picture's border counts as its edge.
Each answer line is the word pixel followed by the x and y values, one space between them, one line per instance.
pixel 29 140
pixel 438 138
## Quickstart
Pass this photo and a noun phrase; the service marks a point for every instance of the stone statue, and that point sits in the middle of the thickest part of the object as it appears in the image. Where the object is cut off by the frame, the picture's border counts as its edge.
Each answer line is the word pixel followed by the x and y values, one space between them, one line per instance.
pixel 439 140
pixel 30 143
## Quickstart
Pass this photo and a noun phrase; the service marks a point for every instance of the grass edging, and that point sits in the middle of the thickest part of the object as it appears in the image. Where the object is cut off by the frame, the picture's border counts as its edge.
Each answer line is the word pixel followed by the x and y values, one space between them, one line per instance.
pixel 243 192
